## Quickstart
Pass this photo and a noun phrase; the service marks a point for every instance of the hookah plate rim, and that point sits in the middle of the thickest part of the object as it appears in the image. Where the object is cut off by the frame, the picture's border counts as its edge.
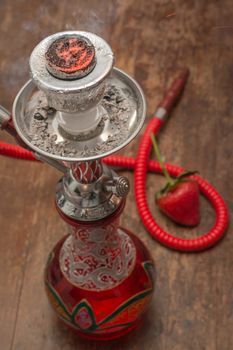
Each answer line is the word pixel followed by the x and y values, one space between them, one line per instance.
pixel 135 120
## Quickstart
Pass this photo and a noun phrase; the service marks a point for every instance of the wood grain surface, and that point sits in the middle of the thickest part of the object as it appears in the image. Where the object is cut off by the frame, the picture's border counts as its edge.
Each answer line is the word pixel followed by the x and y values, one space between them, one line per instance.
pixel 192 307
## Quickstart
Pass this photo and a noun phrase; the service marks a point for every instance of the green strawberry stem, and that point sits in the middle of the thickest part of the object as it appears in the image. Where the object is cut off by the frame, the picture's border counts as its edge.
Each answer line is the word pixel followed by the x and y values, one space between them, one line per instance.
pixel 158 155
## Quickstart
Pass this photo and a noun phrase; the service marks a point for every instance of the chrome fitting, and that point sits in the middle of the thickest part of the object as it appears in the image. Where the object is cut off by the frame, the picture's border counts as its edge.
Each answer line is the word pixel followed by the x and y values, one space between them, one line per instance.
pixel 161 113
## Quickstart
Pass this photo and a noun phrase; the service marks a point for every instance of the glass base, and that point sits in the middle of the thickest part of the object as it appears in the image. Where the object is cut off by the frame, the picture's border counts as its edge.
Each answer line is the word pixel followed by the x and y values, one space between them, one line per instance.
pixel 105 337
pixel 102 314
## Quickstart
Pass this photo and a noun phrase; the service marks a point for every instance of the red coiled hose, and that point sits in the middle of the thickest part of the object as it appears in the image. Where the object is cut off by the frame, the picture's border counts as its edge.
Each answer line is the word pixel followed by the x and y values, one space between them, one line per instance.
pixel 142 164
pixel 206 240
pixel 14 151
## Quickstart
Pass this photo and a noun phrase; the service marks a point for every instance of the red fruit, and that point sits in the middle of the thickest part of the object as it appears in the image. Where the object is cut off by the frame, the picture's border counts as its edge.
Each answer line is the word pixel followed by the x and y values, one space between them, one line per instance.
pixel 179 199
pixel 180 202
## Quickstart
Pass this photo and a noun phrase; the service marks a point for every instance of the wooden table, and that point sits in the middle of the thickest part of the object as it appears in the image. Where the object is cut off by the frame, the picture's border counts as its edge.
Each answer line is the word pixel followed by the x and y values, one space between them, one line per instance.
pixel 193 303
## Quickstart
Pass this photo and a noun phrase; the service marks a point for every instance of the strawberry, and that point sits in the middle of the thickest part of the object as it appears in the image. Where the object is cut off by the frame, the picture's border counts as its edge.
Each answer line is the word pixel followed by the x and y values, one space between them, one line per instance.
pixel 181 202
pixel 179 199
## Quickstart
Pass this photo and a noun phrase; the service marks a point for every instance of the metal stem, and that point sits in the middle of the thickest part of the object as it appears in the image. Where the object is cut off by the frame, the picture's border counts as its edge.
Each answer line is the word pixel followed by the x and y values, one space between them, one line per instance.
pixel 54 163
pixel 5 117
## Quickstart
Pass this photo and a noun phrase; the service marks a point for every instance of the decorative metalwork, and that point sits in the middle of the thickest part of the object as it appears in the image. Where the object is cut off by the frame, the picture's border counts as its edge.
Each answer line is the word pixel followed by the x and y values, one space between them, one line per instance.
pixel 87 172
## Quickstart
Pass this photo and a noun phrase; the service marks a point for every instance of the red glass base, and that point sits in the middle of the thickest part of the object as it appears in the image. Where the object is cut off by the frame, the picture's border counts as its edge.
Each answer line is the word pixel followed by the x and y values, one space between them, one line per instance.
pixel 106 337
pixel 102 314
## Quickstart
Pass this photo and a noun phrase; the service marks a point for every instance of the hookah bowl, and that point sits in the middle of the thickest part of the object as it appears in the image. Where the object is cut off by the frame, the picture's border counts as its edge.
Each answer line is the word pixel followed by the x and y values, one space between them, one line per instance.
pixel 74 111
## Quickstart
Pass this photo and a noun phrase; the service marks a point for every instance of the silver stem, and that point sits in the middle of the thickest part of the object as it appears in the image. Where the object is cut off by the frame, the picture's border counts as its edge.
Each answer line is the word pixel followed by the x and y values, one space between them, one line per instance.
pixel 54 163
pixel 5 116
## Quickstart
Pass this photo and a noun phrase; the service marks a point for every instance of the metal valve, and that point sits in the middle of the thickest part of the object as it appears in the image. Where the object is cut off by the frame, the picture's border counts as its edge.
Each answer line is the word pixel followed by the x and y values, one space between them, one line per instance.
pixel 118 185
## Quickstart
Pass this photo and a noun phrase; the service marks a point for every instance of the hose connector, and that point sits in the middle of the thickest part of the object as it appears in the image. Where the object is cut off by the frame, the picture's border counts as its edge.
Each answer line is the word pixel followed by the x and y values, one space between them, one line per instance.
pixel 118 185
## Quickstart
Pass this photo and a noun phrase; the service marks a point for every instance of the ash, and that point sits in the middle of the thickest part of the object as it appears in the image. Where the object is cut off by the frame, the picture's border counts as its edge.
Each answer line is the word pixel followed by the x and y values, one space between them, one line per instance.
pixel 118 104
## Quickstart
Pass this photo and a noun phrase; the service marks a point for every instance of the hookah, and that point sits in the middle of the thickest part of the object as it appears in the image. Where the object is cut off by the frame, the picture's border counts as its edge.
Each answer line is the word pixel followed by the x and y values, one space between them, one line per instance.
pixel 74 111
pixel 77 110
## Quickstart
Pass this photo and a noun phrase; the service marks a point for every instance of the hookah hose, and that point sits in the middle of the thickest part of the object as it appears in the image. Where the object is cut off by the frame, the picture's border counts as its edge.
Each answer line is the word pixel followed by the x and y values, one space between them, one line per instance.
pixel 142 164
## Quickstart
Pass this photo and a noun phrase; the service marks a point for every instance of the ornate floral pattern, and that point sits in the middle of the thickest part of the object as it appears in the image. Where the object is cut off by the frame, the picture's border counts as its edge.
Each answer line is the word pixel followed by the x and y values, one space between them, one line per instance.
pixel 97 258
